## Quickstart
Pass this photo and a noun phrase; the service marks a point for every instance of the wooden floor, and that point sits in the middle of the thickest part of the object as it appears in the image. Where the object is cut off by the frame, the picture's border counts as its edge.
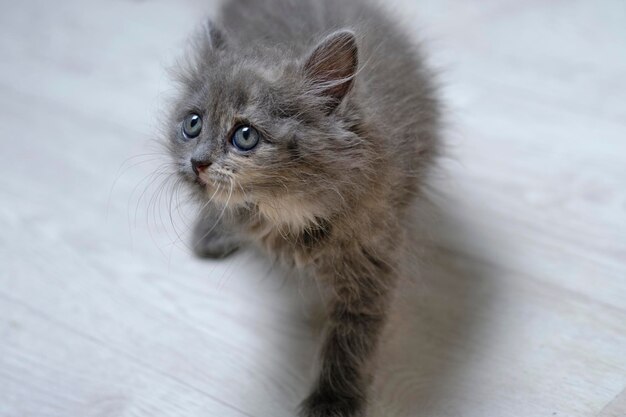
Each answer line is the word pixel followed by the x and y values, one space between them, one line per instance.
pixel 520 310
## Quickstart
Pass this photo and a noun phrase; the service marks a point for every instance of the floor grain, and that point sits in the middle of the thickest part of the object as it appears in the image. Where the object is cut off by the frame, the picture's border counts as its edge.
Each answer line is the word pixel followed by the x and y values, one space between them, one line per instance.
pixel 520 307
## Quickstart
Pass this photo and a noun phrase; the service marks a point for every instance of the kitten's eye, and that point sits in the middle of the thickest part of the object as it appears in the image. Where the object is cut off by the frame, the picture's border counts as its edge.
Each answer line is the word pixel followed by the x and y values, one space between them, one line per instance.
pixel 192 126
pixel 245 138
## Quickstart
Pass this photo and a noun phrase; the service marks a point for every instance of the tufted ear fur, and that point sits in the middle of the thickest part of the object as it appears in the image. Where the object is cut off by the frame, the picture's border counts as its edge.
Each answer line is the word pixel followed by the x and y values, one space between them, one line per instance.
pixel 214 35
pixel 332 66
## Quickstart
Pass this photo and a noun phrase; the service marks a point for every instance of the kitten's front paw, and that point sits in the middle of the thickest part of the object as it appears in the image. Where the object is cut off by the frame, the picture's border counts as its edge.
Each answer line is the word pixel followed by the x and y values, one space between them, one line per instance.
pixel 321 404
pixel 215 245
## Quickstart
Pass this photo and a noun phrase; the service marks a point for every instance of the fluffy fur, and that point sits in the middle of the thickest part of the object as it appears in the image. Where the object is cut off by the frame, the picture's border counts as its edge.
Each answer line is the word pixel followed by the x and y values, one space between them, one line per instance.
pixel 349 127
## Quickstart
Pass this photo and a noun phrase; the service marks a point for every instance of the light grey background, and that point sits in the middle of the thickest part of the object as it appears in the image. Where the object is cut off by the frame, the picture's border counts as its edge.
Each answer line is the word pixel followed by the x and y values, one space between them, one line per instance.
pixel 520 312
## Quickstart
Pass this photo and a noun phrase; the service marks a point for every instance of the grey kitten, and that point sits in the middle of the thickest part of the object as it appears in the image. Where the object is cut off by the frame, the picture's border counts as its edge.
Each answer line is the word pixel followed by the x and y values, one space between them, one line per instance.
pixel 308 128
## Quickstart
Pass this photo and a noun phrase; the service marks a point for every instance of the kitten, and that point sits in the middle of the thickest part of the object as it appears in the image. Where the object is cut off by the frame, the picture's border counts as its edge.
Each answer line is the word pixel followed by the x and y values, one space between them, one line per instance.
pixel 307 128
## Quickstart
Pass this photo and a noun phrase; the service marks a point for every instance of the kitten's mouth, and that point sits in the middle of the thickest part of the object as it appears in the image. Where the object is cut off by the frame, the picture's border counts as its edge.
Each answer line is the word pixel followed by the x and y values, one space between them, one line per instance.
pixel 219 187
pixel 213 179
pixel 203 179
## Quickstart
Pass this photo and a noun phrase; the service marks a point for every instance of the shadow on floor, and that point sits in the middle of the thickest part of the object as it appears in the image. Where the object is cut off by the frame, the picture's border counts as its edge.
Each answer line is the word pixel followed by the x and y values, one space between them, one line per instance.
pixel 441 311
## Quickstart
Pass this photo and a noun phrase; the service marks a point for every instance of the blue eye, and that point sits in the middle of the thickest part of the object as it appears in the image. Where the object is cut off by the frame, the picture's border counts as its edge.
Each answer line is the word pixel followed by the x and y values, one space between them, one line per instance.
pixel 192 126
pixel 246 138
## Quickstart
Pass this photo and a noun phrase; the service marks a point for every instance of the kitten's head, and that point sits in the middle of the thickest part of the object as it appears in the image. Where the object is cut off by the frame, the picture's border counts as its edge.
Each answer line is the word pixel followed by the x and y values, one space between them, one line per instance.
pixel 253 127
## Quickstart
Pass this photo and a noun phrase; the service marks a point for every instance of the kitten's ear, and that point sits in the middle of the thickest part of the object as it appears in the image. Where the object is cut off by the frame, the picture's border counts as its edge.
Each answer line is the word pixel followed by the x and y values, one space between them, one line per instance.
pixel 332 65
pixel 214 35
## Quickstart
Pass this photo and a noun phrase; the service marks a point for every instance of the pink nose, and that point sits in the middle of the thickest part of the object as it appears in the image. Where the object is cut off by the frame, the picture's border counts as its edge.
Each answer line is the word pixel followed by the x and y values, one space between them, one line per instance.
pixel 199 166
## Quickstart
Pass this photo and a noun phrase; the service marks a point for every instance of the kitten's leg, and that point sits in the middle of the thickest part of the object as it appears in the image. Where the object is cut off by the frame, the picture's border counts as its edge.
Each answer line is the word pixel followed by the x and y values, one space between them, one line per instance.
pixel 213 236
pixel 361 291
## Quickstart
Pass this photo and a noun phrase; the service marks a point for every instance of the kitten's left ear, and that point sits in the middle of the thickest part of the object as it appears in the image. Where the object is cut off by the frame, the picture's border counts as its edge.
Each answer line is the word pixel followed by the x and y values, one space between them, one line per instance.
pixel 332 65
pixel 214 35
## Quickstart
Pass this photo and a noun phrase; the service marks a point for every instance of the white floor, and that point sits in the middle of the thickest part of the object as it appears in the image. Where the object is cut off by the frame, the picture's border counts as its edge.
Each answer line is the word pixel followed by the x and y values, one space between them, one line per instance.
pixel 520 312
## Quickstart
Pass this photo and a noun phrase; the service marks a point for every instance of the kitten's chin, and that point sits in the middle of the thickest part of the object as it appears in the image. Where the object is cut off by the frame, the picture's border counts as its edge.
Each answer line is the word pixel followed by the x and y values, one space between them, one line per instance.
pixel 222 194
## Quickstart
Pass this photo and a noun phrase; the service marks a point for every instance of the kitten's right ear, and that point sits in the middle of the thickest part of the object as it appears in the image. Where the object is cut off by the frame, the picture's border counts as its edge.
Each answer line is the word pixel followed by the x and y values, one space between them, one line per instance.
pixel 214 35
pixel 332 66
